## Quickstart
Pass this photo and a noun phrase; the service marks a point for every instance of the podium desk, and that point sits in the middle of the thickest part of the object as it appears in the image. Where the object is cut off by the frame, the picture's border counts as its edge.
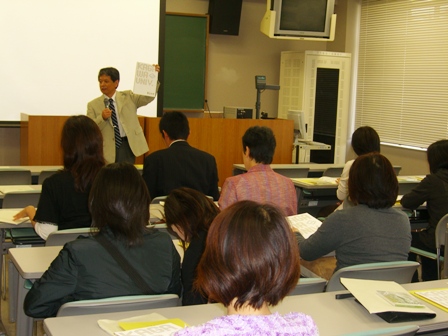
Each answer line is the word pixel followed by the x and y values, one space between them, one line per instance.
pixel 333 317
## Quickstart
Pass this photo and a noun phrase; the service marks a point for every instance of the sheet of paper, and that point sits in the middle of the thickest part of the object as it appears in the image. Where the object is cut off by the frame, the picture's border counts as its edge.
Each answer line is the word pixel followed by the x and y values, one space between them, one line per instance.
pixel 145 81
pixel 166 329
pixel 305 223
pixel 365 291
pixel 112 326
pixel 6 216
pixel 437 297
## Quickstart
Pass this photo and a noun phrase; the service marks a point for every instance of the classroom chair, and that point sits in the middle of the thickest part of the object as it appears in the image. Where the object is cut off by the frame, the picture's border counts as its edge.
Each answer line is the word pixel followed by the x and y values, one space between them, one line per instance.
pixel 440 241
pixel 292 173
pixel 398 271
pixel 309 286
pixel 15 176
pixel 333 172
pixel 408 330
pixel 60 237
pixel 118 304
pixel 44 174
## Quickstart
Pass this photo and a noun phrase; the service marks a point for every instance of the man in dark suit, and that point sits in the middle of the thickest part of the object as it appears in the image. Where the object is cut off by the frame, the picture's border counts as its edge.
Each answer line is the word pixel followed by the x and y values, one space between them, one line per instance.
pixel 179 165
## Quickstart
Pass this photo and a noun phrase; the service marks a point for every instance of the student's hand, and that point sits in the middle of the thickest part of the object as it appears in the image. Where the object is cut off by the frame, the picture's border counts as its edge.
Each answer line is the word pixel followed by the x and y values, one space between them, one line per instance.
pixel 29 212
pixel 337 180
pixel 106 114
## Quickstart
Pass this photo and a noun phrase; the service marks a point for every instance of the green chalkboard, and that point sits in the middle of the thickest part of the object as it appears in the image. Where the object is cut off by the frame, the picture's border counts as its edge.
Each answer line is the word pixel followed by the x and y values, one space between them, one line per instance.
pixel 185 61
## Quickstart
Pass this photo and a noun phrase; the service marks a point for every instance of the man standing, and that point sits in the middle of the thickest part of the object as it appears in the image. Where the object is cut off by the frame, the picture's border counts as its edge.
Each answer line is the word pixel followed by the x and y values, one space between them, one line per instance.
pixel 260 183
pixel 179 165
pixel 115 112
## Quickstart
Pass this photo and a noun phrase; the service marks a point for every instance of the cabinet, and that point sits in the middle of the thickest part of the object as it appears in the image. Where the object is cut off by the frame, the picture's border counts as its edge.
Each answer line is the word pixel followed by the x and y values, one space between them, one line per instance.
pixel 318 83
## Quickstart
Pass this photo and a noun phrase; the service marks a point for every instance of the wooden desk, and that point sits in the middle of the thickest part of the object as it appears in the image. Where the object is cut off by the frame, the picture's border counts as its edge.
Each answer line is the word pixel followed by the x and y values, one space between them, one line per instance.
pixel 333 317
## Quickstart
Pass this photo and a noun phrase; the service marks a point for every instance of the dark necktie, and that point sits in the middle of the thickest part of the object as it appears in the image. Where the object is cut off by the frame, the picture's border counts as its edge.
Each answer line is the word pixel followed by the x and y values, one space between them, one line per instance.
pixel 115 123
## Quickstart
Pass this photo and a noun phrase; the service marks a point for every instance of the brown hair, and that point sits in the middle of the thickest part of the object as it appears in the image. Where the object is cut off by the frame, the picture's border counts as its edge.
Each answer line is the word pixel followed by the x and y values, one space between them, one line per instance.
pixel 82 146
pixel 372 181
pixel 119 200
pixel 251 254
pixel 190 210
pixel 365 140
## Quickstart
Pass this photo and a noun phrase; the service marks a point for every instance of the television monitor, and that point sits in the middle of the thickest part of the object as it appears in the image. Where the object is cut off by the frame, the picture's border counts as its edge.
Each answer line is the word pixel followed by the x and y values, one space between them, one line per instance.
pixel 299 122
pixel 309 18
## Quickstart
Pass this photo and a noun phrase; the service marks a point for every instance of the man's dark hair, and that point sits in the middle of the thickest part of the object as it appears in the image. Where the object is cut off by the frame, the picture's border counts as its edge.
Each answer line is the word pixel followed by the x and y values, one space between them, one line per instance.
pixel 261 143
pixel 113 73
pixel 175 124
pixel 437 154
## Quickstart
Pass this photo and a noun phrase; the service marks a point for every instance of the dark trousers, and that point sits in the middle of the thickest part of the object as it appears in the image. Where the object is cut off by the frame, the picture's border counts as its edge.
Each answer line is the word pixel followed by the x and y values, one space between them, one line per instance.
pixel 124 153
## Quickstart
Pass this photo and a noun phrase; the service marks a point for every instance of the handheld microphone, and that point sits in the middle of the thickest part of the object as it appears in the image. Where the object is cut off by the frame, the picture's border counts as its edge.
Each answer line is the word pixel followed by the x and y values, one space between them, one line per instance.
pixel 106 103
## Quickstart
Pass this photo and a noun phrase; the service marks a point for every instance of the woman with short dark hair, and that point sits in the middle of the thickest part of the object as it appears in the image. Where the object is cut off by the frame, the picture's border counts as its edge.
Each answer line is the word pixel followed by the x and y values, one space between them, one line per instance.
pixel 63 201
pixel 85 269
pixel 433 190
pixel 251 262
pixel 188 214
pixel 370 231
pixel 364 140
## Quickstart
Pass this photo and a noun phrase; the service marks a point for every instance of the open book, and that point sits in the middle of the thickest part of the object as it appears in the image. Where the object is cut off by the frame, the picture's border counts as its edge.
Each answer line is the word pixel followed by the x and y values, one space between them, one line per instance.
pixel 6 216
pixel 388 300
pixel 304 223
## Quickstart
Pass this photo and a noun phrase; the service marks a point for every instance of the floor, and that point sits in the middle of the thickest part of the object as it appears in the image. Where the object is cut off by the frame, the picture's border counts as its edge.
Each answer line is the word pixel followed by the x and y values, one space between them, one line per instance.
pixel 8 328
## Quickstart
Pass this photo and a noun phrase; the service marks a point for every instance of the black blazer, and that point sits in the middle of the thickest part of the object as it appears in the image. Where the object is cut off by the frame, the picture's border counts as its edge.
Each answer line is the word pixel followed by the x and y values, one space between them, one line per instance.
pixel 181 165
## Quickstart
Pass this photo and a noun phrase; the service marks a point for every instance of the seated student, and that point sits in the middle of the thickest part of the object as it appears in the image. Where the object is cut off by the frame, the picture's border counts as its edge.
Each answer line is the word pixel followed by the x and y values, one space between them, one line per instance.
pixel 370 231
pixel 364 140
pixel 189 213
pixel 179 165
pixel 260 183
pixel 63 202
pixel 251 262
pixel 85 269
pixel 433 190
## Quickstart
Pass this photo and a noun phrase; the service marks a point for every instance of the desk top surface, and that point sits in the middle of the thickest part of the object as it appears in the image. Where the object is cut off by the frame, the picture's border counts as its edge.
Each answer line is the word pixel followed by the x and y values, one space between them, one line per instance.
pixel 32 262
pixel 329 183
pixel 36 170
pixel 313 167
pixel 333 317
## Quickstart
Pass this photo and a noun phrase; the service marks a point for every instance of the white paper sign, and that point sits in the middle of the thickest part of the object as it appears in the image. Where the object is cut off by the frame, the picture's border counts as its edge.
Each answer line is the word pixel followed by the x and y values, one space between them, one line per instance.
pixel 145 82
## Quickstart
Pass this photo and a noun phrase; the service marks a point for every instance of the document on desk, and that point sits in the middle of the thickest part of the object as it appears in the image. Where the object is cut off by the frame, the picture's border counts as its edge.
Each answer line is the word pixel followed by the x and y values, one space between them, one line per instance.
pixel 324 180
pixel 6 216
pixel 112 327
pixel 371 294
pixel 305 223
pixel 437 297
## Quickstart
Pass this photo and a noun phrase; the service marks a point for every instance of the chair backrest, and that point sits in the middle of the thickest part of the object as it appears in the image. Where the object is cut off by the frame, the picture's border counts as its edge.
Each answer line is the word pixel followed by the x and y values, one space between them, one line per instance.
pixel 408 330
pixel 118 304
pixel 60 237
pixel 15 176
pixel 309 286
pixel 397 170
pixel 158 199
pixel 333 172
pixel 440 231
pixel 398 271
pixel 45 174
pixel 292 173
pixel 21 199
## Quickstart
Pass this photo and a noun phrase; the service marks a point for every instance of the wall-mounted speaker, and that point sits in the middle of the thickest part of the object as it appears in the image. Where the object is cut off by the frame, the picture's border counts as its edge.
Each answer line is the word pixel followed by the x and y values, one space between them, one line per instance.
pixel 225 16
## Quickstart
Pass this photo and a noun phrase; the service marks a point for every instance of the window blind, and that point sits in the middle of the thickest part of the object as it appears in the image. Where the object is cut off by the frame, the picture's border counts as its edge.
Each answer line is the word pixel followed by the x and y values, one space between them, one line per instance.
pixel 402 88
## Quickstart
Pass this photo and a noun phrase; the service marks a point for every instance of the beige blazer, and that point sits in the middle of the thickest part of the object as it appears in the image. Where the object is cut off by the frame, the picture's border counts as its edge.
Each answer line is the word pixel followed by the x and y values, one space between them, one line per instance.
pixel 127 105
